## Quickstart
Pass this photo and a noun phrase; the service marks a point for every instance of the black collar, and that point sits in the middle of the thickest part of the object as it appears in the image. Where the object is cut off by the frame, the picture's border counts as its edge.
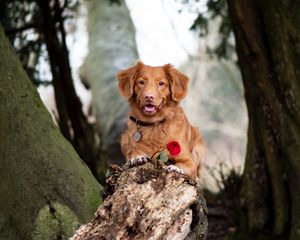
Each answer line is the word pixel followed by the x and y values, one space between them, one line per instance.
pixel 141 123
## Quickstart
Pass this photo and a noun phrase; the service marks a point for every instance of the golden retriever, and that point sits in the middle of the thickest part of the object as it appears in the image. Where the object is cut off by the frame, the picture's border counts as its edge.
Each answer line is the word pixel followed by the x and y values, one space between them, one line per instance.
pixel 156 118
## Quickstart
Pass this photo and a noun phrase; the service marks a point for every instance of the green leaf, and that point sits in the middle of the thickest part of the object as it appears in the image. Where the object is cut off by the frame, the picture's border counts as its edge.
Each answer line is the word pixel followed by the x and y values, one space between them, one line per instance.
pixel 163 157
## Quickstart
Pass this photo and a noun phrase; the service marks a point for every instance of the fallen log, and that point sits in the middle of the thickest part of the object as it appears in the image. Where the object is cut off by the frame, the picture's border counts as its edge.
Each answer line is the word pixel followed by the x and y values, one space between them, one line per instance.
pixel 146 202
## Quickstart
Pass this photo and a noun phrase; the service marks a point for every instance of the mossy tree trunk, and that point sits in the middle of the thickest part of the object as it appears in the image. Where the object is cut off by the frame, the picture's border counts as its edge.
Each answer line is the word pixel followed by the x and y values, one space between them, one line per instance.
pixel 267 39
pixel 112 47
pixel 46 191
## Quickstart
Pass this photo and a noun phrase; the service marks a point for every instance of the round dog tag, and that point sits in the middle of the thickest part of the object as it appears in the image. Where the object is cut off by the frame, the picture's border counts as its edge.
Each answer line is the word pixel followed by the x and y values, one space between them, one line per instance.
pixel 137 136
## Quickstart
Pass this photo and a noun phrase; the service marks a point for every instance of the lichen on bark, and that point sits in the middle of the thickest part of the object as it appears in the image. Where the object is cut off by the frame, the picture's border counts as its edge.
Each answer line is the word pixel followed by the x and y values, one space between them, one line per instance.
pixel 146 202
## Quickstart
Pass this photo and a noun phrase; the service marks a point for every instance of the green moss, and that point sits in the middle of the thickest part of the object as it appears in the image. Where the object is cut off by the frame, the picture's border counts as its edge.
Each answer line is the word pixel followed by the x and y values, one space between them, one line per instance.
pixel 37 163
pixel 94 199
pixel 55 221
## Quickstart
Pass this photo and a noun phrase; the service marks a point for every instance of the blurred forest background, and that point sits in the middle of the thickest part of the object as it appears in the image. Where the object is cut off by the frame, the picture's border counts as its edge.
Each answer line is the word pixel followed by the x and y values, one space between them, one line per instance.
pixel 72 49
pixel 102 38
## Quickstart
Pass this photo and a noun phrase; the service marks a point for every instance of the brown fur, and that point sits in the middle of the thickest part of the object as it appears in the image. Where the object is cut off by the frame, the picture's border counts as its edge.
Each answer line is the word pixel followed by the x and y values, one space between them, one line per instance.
pixel 170 122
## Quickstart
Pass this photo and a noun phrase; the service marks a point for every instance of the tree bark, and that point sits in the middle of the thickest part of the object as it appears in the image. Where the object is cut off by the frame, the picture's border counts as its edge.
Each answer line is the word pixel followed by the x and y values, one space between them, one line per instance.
pixel 145 202
pixel 72 122
pixel 46 191
pixel 267 40
pixel 112 47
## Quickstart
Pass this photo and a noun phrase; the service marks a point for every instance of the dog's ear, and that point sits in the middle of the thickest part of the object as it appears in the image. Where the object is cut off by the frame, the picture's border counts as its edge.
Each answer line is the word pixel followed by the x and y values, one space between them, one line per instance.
pixel 178 82
pixel 126 79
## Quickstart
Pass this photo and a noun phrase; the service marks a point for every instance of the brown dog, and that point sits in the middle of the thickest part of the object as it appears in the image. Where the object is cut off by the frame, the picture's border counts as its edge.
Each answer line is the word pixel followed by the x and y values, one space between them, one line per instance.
pixel 156 118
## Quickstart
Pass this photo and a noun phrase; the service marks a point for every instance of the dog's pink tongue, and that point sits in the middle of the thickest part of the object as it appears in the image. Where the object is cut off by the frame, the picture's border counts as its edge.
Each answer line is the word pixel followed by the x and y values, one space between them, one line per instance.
pixel 149 108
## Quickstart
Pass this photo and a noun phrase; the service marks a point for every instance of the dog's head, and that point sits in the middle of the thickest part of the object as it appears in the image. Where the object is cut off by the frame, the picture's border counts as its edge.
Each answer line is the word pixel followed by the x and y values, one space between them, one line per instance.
pixel 152 88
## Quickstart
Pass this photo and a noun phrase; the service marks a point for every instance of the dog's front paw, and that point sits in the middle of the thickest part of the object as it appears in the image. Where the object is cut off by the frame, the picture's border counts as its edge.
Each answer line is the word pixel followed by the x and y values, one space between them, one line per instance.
pixel 173 168
pixel 137 160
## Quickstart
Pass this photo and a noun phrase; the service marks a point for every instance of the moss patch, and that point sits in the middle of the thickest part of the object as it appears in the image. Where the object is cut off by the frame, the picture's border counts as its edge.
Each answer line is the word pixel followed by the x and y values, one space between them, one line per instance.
pixel 55 221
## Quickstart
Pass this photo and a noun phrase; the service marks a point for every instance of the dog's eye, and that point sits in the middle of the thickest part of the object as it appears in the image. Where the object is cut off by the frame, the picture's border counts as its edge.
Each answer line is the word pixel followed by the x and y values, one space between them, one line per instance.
pixel 161 83
pixel 141 82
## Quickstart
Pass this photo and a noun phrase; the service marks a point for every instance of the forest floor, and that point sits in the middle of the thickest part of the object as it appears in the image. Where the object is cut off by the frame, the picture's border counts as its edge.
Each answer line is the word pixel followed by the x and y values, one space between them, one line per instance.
pixel 223 207
pixel 219 227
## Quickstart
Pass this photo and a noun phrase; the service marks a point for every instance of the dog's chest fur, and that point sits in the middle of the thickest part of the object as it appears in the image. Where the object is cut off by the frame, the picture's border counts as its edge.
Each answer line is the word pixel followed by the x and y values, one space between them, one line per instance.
pixel 156 137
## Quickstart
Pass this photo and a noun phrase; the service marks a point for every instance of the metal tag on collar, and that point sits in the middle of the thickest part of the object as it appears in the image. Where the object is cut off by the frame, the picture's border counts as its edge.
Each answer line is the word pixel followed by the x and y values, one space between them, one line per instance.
pixel 137 136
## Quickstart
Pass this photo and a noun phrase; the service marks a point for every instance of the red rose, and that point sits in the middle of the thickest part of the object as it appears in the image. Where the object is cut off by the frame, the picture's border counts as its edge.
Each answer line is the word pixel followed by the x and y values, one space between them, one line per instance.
pixel 174 148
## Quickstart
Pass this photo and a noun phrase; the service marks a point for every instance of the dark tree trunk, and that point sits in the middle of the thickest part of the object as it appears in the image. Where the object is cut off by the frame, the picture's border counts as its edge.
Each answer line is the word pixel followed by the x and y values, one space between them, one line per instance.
pixel 267 39
pixel 72 122
pixel 46 191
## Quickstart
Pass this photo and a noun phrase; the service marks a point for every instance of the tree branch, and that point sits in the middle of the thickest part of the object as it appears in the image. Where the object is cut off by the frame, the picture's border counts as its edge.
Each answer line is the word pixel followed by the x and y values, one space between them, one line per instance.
pixel 27 26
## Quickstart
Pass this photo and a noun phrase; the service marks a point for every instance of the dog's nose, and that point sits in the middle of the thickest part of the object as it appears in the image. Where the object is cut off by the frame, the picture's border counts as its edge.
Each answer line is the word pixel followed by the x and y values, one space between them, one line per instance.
pixel 149 97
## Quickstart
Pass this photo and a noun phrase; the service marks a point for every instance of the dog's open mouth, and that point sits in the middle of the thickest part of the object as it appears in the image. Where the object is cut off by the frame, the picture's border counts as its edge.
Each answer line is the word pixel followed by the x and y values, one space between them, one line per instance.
pixel 149 109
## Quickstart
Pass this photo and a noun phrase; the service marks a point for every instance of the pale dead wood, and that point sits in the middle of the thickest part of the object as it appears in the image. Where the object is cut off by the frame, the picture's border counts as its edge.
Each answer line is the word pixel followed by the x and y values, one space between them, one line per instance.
pixel 146 202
